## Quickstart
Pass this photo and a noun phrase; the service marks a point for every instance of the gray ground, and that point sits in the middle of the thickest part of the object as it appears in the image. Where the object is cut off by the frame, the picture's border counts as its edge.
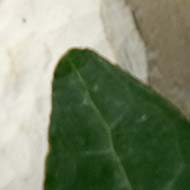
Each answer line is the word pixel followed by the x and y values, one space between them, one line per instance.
pixel 164 26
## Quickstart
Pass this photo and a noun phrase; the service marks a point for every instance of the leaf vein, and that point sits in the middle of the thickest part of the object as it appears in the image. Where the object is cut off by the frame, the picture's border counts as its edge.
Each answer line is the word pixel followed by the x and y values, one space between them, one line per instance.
pixel 106 125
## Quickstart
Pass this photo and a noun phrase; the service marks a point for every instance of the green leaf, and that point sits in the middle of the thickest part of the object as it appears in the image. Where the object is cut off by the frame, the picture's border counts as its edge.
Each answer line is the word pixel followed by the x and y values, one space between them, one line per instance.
pixel 108 131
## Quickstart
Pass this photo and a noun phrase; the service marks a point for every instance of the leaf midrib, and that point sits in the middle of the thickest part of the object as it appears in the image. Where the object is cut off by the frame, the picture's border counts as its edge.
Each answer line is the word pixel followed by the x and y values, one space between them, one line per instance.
pixel 106 125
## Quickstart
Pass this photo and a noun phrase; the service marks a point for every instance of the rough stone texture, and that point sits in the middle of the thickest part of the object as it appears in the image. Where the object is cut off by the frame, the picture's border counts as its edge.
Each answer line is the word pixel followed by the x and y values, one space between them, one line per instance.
pixel 33 36
pixel 124 37
pixel 164 26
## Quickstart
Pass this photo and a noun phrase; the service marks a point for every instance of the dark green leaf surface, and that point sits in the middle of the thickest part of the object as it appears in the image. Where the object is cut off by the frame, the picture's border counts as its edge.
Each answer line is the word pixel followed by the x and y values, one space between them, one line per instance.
pixel 110 132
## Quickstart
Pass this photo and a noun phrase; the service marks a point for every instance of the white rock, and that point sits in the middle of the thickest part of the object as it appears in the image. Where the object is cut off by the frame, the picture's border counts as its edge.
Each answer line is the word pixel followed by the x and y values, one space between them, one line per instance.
pixel 127 44
pixel 33 36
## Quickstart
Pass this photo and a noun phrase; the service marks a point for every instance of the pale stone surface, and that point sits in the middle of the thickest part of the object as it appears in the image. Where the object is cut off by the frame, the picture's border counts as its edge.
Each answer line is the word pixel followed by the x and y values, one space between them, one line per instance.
pixel 124 38
pixel 33 36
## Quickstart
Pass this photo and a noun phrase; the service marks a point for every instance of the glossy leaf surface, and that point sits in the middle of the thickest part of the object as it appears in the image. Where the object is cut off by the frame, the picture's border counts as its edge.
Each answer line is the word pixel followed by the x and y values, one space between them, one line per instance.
pixel 108 131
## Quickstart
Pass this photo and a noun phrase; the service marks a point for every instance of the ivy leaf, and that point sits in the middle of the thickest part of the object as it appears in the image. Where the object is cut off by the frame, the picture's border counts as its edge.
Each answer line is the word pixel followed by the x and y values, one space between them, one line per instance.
pixel 109 131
